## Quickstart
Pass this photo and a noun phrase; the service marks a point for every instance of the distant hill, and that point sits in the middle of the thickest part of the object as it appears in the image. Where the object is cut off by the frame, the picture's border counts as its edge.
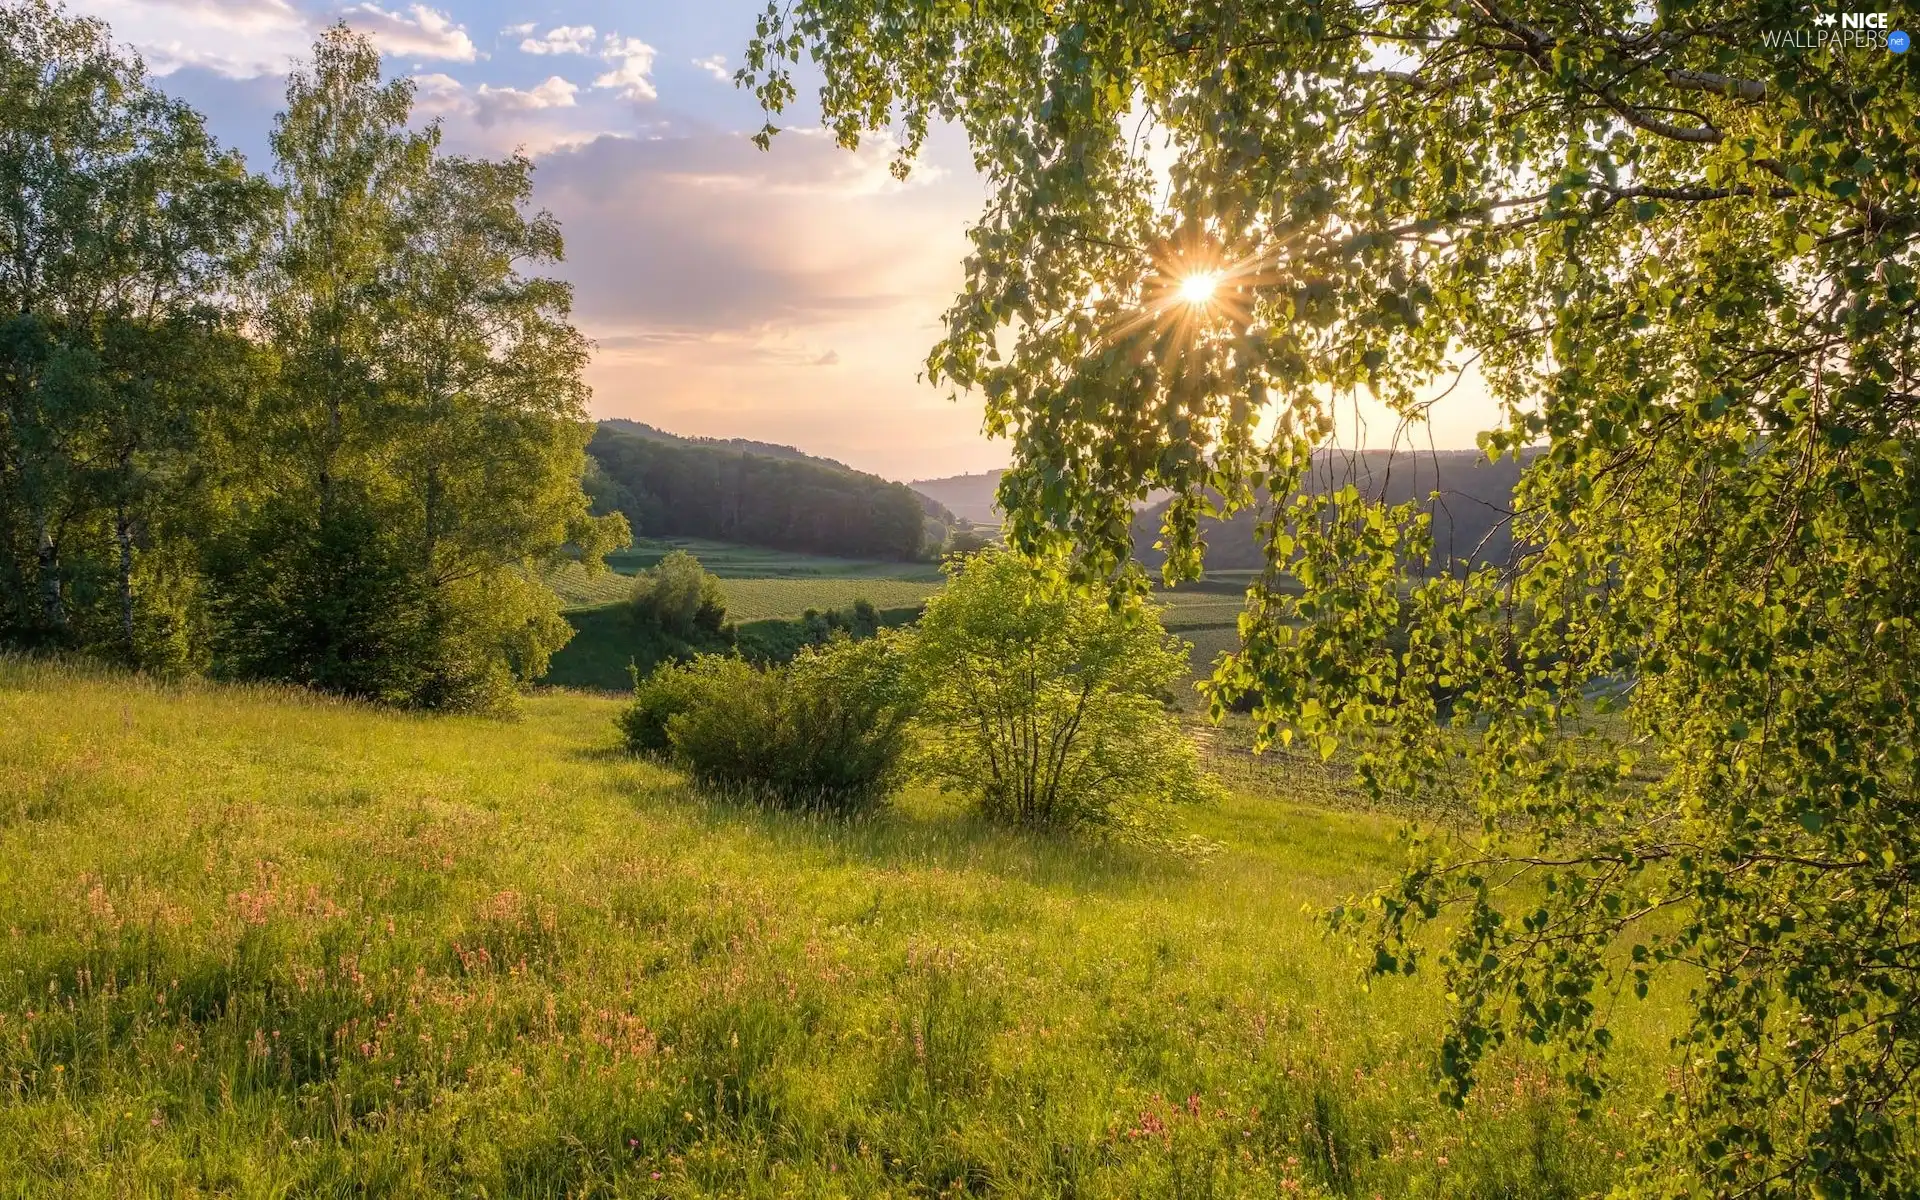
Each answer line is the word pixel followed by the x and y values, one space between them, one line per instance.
pixel 969 496
pixel 746 445
pixel 1475 497
pixel 755 494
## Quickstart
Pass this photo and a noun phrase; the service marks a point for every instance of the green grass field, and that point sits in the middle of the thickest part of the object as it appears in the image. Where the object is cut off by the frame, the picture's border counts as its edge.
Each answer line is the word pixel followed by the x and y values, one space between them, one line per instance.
pixel 767 583
pixel 260 943
pixel 731 561
pixel 597 657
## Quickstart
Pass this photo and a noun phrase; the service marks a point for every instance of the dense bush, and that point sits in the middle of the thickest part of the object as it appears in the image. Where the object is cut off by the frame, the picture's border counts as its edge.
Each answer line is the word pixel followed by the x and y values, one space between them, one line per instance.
pixel 827 730
pixel 1047 705
pixel 659 697
pixel 680 596
pixel 679 612
pixel 339 602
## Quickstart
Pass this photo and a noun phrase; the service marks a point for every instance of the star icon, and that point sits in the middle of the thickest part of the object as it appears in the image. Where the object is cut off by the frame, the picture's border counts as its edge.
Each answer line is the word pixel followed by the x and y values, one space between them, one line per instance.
pixel 1825 18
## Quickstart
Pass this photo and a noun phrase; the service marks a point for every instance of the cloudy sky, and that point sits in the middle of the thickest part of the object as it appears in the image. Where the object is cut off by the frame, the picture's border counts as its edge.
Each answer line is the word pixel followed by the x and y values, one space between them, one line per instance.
pixel 788 296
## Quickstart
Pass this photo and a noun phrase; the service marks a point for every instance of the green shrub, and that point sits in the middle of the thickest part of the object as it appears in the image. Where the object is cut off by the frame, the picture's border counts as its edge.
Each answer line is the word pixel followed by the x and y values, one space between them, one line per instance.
pixel 670 690
pixel 1046 705
pixel 680 597
pixel 779 641
pixel 339 601
pixel 827 730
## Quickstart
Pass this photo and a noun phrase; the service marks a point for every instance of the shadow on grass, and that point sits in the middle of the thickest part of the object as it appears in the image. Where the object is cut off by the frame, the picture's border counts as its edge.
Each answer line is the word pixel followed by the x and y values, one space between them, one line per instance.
pixel 920 829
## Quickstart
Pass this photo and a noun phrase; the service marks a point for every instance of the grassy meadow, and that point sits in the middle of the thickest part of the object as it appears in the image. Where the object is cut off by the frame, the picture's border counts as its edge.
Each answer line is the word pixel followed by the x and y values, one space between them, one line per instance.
pixel 761 585
pixel 769 585
pixel 262 943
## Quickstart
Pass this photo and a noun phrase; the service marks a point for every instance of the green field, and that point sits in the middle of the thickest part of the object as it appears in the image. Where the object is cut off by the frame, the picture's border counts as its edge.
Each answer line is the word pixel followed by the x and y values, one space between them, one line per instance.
pixel 761 585
pixel 765 599
pixel 730 561
pixel 263 943
pixel 769 585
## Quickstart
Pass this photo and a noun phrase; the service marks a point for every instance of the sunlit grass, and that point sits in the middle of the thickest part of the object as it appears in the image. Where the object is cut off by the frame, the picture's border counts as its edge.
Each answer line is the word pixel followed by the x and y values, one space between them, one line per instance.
pixel 258 942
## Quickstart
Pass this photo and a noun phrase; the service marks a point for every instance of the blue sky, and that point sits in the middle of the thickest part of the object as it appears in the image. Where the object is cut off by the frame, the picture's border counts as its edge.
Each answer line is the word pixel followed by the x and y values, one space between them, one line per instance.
pixel 789 296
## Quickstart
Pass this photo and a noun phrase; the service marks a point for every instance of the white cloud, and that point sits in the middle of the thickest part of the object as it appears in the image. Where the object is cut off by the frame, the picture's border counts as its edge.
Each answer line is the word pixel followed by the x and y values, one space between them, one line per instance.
pixel 521 30
pixel 419 31
pixel 437 95
pixel 715 66
pixel 555 92
pixel 239 39
pixel 562 39
pixel 490 120
pixel 634 63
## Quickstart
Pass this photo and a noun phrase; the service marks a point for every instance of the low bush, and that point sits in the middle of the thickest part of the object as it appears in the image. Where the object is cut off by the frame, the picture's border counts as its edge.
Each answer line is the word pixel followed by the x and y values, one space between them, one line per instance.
pixel 681 597
pixel 670 690
pixel 1048 706
pixel 826 731
pixel 678 612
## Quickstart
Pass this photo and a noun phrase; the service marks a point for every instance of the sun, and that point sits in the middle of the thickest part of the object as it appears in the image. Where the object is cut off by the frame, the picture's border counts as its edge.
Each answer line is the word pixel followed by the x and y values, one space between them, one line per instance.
pixel 1198 288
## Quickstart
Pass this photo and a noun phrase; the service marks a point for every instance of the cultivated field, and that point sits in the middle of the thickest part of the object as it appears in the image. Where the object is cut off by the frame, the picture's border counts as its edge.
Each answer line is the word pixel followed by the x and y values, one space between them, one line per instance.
pixel 730 561
pixel 258 942
pixel 770 584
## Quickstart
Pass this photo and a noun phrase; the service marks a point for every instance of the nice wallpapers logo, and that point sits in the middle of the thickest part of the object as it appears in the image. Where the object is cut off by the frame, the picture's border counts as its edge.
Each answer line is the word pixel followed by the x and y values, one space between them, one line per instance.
pixel 1842 31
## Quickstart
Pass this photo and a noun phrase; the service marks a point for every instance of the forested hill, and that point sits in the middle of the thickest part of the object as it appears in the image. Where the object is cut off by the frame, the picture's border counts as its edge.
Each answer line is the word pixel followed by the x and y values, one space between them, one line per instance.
pixel 969 496
pixel 744 445
pixel 741 491
pixel 1475 497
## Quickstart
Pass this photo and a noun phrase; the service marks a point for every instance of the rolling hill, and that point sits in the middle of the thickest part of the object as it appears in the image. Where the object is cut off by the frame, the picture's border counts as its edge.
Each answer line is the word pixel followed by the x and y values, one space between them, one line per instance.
pixel 755 494
pixel 1468 518
pixel 968 496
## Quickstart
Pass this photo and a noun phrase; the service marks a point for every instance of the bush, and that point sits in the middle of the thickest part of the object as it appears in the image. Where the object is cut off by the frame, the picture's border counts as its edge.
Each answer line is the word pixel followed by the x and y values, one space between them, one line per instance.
pixel 338 601
pixel 658 698
pixel 779 641
pixel 680 597
pixel 1046 704
pixel 828 730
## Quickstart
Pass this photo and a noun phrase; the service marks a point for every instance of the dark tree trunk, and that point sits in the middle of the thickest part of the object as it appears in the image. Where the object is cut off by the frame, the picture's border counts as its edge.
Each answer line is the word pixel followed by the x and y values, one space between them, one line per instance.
pixel 123 533
pixel 53 608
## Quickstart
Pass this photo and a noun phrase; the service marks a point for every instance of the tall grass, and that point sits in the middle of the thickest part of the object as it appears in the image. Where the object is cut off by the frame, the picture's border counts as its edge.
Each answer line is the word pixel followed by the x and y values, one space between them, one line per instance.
pixel 262 943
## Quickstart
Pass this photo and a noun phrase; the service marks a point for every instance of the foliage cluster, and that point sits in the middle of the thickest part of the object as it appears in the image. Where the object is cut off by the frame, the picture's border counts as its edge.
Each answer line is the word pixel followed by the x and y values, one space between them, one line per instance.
pixel 1680 246
pixel 680 489
pixel 1049 704
pixel 827 730
pixel 1045 707
pixel 780 641
pixel 680 598
pixel 314 429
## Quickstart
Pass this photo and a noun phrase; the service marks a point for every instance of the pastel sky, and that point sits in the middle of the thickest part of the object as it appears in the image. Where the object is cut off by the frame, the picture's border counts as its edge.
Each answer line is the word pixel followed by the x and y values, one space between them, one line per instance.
pixel 788 296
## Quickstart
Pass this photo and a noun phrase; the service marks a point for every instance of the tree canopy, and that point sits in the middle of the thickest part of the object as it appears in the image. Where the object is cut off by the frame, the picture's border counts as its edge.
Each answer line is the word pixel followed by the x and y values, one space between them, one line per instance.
pixel 315 432
pixel 123 228
pixel 1677 242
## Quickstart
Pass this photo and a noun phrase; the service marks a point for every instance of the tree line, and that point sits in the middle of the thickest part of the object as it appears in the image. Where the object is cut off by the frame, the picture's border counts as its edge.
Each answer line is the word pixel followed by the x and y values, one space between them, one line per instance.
pixel 680 489
pixel 313 426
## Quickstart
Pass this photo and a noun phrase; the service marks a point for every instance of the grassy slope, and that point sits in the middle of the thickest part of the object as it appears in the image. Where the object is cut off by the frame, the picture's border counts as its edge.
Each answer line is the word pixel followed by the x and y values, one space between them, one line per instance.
pixel 258 941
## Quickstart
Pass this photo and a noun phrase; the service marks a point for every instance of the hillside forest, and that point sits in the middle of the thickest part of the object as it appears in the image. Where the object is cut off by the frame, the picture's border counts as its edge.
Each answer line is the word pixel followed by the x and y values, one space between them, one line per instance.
pixel 673 487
